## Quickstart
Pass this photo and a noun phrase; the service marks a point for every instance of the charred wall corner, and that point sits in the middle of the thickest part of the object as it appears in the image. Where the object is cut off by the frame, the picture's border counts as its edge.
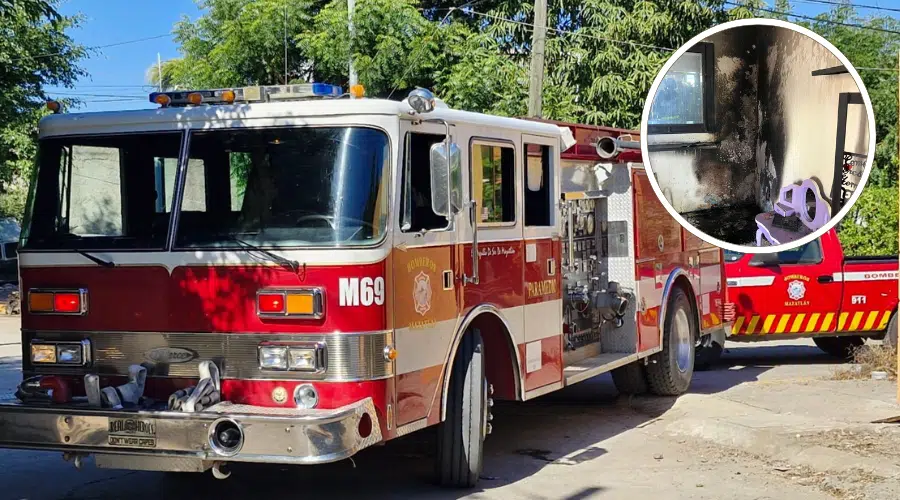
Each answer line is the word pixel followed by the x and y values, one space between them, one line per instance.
pixel 773 140
pixel 729 171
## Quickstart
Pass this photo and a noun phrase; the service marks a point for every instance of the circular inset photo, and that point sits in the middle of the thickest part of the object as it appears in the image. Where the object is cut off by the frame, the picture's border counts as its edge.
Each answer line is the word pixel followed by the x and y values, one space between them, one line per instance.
pixel 758 135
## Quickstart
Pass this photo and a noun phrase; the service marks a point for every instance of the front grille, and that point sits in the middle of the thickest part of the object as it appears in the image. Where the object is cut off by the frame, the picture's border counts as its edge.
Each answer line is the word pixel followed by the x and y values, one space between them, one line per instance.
pixel 350 356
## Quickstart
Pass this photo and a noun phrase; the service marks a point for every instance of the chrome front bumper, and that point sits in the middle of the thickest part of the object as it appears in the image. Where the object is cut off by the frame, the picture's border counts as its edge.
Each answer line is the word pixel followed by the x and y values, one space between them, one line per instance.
pixel 273 435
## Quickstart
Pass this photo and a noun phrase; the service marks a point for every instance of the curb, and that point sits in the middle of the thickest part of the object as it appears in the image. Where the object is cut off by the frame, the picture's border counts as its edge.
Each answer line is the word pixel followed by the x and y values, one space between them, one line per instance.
pixel 779 446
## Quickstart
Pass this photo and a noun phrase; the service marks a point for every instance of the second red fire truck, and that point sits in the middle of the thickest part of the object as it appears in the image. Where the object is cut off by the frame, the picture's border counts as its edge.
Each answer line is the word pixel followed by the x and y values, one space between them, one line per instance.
pixel 290 275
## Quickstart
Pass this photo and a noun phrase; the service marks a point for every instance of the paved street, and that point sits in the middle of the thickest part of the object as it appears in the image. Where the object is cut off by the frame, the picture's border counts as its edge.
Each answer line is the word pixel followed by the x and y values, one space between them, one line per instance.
pixel 583 442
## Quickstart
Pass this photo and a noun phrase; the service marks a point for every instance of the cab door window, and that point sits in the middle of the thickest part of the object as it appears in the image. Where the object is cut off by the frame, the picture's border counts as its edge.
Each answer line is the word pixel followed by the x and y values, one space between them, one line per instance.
pixel 494 184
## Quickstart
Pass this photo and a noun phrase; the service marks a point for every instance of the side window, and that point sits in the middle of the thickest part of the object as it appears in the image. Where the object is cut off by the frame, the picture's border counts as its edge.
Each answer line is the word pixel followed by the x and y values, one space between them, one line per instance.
pixel 538 185
pixel 810 253
pixel 494 183
pixel 684 100
pixel 415 199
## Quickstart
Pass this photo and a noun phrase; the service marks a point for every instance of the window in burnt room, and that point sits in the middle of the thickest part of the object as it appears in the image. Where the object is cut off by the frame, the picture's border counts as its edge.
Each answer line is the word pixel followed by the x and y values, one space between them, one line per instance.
pixel 685 99
pixel 415 199
pixel 538 185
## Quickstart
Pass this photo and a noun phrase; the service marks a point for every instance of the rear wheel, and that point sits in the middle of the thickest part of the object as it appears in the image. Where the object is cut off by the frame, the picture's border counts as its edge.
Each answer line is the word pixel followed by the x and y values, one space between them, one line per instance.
pixel 890 338
pixel 839 347
pixel 460 444
pixel 669 371
pixel 630 379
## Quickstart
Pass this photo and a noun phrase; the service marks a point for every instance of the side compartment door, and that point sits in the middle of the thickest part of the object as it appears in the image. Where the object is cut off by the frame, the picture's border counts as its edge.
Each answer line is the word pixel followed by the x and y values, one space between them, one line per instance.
pixel 424 264
pixel 542 353
pixel 788 292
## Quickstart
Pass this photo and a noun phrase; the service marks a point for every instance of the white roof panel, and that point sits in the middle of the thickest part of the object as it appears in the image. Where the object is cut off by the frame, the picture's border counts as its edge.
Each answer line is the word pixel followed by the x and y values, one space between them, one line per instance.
pixel 257 114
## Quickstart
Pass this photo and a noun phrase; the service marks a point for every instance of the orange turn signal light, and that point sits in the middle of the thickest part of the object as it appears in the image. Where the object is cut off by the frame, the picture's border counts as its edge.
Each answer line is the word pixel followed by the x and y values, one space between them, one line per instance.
pixel 195 98
pixel 228 96
pixel 54 106
pixel 40 302
pixel 357 90
pixel 163 100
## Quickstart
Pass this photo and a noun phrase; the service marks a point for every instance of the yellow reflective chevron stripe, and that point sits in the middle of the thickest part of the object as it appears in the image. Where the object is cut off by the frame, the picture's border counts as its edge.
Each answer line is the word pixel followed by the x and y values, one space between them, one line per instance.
pixel 751 328
pixel 870 321
pixel 842 321
pixel 856 319
pixel 738 323
pixel 767 325
pixel 826 323
pixel 798 322
pixel 811 325
pixel 884 320
pixel 782 323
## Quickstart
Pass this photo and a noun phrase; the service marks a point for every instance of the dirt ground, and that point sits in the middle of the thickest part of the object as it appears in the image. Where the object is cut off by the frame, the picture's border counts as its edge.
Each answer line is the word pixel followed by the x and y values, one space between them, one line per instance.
pixel 768 423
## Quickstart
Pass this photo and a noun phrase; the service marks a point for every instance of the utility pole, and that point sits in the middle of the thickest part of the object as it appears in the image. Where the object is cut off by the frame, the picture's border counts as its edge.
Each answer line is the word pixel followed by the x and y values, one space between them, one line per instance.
pixel 536 79
pixel 159 71
pixel 351 5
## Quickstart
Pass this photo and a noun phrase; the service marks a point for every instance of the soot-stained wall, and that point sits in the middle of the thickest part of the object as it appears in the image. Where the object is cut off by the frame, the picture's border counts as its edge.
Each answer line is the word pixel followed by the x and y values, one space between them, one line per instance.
pixel 798 113
pixel 700 177
pixel 775 124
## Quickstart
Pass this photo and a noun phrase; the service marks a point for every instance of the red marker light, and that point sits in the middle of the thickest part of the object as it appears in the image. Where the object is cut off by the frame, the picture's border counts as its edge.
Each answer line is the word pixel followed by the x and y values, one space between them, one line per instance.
pixel 269 303
pixel 66 302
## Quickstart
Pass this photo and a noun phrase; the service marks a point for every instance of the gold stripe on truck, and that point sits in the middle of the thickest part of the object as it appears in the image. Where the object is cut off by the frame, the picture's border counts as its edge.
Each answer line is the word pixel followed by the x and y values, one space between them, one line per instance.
pixel 859 321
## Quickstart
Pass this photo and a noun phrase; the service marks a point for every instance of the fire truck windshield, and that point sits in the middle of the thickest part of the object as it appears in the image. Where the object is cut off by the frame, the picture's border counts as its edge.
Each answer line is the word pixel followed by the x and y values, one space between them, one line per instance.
pixel 285 187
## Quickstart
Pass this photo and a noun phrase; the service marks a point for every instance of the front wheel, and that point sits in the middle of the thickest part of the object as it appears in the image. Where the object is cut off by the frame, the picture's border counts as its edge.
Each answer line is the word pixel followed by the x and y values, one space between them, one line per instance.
pixel 460 445
pixel 669 371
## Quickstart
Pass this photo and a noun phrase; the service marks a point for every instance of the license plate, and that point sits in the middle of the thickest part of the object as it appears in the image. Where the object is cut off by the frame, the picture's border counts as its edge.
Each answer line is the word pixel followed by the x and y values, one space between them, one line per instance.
pixel 132 432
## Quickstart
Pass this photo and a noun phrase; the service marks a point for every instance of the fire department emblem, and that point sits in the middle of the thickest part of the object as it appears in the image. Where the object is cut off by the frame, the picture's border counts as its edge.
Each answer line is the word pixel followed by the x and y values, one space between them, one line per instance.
pixel 422 293
pixel 796 290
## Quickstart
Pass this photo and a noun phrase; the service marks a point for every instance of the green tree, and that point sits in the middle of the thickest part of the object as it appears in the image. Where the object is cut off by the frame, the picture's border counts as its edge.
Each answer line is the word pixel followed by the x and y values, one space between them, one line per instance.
pixel 870 228
pixel 35 52
pixel 236 42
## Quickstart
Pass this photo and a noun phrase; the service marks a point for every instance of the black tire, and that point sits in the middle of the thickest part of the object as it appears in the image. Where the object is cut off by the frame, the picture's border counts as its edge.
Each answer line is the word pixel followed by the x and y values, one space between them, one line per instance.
pixel 460 442
pixel 839 347
pixel 707 354
pixel 890 337
pixel 630 379
pixel 665 376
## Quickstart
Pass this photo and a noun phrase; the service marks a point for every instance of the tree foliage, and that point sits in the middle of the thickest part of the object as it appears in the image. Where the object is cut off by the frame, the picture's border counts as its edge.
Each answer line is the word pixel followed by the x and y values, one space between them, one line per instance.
pixel 870 228
pixel 35 52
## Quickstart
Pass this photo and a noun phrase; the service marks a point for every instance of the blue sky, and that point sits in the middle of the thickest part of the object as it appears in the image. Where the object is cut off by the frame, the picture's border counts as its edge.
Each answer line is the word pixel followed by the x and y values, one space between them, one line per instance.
pixel 116 75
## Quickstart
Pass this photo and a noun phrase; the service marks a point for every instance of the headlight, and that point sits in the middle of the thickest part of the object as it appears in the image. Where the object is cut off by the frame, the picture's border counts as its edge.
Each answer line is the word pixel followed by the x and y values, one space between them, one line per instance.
pixel 69 354
pixel 273 357
pixel 61 353
pixel 43 353
pixel 302 359
pixel 298 356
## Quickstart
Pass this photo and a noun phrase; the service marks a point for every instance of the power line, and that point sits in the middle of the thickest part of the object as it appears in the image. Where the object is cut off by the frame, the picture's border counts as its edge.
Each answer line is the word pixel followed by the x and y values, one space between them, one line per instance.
pixel 576 33
pixel 826 21
pixel 115 44
pixel 848 4
pixel 82 94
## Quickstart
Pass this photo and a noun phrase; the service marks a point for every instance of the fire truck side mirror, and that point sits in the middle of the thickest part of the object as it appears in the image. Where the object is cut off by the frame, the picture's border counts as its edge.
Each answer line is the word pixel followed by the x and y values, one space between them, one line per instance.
pixel 446 179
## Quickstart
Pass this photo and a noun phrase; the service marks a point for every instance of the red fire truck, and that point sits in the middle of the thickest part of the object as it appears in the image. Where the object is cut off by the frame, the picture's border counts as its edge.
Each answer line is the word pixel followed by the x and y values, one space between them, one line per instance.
pixel 812 291
pixel 287 274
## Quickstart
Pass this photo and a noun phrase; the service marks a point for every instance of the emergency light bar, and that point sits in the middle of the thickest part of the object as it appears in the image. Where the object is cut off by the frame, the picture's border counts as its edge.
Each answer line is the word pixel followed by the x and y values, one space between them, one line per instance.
pixel 266 93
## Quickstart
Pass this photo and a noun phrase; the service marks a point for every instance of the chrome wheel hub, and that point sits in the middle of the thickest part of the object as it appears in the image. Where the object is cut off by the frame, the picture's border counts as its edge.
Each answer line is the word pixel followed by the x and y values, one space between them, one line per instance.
pixel 681 337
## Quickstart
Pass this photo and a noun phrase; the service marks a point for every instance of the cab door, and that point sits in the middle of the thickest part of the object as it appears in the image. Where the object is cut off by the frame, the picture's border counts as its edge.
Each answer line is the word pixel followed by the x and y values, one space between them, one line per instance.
pixel 494 271
pixel 424 265
pixel 784 293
